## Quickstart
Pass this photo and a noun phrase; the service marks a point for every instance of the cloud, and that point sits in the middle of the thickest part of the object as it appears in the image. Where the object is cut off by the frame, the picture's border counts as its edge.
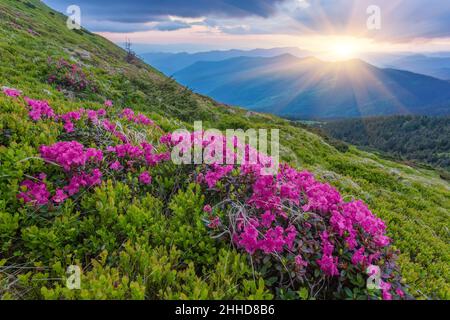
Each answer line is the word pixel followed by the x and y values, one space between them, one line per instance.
pixel 402 20
pixel 139 11
pixel 171 26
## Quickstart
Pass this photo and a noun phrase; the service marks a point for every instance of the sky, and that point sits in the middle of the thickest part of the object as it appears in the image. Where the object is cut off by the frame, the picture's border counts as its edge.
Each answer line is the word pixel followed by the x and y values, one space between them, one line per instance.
pixel 330 28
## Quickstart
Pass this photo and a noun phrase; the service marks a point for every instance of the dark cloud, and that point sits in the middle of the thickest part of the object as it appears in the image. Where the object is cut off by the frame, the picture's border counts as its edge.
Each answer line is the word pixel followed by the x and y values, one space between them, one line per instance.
pixel 138 11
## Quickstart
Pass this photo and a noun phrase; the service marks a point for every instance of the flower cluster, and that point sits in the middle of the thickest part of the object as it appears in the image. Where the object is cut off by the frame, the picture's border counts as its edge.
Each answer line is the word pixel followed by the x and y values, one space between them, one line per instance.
pixel 70 76
pixel 143 153
pixel 145 178
pixel 70 117
pixel 39 109
pixel 11 92
pixel 139 118
pixel 82 180
pixel 35 192
pixel 291 214
pixel 70 155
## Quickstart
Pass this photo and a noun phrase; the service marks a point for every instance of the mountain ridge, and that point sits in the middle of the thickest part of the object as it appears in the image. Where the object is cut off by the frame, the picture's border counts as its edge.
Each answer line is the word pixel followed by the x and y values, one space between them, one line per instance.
pixel 170 63
pixel 286 86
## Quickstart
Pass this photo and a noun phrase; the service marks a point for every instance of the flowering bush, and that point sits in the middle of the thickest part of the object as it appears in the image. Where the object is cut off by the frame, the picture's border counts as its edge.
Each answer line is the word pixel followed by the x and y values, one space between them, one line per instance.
pixel 299 224
pixel 70 76
pixel 303 238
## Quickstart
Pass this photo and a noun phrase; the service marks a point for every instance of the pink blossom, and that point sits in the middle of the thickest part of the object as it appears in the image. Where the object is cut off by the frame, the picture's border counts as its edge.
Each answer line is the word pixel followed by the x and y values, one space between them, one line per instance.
pixel 36 192
pixel 68 126
pixel 59 196
pixel 267 218
pixel 215 222
pixel 116 166
pixel 109 126
pixel 385 290
pixel 14 93
pixel 166 139
pixel 70 154
pixel 39 109
pixel 299 262
pixel 207 208
pixel 101 112
pixel 216 173
pixel 358 257
pixel 108 103
pixel 328 264
pixel 95 178
pixel 145 178
pixel 400 293
pixel 129 114
pixel 75 184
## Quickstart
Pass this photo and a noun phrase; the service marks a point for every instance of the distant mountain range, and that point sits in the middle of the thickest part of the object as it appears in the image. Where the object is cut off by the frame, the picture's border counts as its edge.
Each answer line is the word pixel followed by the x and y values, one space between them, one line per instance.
pixel 309 88
pixel 169 63
pixel 438 67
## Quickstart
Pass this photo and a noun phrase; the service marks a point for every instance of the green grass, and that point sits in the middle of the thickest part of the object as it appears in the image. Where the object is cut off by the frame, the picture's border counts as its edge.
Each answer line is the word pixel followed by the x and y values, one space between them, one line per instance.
pixel 414 202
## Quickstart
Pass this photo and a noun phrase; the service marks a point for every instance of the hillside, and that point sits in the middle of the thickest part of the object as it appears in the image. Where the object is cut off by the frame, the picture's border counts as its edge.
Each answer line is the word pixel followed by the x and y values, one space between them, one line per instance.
pixel 307 88
pixel 140 236
pixel 416 138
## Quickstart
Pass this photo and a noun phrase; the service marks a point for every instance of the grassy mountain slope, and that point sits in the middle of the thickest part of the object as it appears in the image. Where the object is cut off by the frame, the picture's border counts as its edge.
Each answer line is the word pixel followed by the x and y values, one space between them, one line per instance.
pixel 309 88
pixel 415 203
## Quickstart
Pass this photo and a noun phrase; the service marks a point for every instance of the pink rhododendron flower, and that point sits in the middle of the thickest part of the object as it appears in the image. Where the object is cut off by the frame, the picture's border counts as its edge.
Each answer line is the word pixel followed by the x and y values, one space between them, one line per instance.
pixel 248 239
pixel 109 126
pixel 166 139
pixel 70 154
pixel 358 257
pixel 116 166
pixel 385 288
pixel 59 196
pixel 328 264
pixel 216 173
pixel 207 208
pixel 129 114
pixel 299 262
pixel 84 179
pixel 95 178
pixel 75 184
pixel 267 218
pixel 215 222
pixel 14 93
pixel 145 178
pixel 101 112
pixel 36 192
pixel 68 126
pixel 108 103
pixel 39 109
pixel 400 293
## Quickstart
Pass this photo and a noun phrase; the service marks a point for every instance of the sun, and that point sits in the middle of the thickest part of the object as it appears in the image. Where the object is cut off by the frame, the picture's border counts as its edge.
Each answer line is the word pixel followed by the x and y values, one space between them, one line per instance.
pixel 344 50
